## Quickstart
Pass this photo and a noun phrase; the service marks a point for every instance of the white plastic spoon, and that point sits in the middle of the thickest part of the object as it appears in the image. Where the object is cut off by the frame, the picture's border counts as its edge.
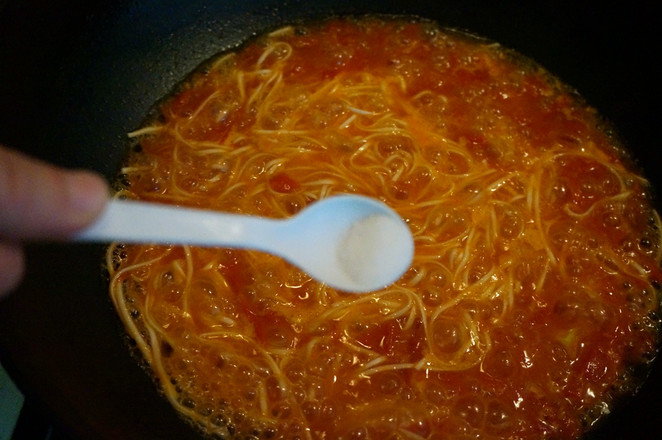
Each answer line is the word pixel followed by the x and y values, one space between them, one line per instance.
pixel 352 243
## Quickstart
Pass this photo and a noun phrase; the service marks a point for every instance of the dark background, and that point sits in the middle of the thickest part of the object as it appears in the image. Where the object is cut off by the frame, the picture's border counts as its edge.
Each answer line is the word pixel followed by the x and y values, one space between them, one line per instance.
pixel 76 76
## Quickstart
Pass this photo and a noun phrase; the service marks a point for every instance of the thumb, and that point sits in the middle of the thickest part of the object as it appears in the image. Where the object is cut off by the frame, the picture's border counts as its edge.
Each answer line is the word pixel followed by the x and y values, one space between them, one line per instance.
pixel 39 200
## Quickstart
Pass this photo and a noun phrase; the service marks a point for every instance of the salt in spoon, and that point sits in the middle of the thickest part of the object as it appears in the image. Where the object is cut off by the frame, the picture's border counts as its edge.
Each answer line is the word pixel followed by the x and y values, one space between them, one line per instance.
pixel 352 243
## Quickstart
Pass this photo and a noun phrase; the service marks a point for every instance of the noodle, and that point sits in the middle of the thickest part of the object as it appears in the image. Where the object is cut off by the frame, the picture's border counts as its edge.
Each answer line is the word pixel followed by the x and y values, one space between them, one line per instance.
pixel 534 287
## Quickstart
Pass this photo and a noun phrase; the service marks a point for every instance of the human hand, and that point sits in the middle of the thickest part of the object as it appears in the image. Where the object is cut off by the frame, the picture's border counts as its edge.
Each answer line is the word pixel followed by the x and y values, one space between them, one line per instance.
pixel 39 201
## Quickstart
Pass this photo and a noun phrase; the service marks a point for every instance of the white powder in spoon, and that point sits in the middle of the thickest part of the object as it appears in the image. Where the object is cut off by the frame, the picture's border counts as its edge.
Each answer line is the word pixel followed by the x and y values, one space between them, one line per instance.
pixel 369 250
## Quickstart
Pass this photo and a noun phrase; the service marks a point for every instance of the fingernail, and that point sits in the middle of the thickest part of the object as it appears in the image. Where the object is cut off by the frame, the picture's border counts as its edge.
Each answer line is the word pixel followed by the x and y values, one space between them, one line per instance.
pixel 88 194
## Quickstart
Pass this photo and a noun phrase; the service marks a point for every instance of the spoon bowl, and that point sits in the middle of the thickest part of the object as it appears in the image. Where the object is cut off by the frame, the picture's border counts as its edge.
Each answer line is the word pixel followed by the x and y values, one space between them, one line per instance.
pixel 352 243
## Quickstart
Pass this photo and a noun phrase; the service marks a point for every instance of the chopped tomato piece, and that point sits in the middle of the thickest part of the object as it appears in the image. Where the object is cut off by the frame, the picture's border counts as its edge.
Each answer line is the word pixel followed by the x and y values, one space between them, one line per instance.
pixel 283 183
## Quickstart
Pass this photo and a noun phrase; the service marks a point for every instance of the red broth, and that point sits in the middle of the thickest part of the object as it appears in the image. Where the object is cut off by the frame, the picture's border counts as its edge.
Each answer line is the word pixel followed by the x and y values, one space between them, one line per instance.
pixel 533 295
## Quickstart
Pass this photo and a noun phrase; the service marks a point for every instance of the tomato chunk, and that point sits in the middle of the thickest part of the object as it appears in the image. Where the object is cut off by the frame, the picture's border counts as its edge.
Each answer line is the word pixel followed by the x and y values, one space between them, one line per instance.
pixel 283 183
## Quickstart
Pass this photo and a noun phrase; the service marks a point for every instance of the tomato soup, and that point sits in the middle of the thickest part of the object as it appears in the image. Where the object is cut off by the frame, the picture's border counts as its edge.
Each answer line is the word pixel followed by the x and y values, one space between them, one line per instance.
pixel 532 300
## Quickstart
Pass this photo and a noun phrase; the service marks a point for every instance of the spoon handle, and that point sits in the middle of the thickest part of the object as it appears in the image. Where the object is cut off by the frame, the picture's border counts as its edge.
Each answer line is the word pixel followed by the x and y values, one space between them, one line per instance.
pixel 139 222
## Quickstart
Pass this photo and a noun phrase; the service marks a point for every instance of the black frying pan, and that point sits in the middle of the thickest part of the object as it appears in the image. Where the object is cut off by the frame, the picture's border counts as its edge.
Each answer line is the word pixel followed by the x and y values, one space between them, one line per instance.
pixel 75 76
